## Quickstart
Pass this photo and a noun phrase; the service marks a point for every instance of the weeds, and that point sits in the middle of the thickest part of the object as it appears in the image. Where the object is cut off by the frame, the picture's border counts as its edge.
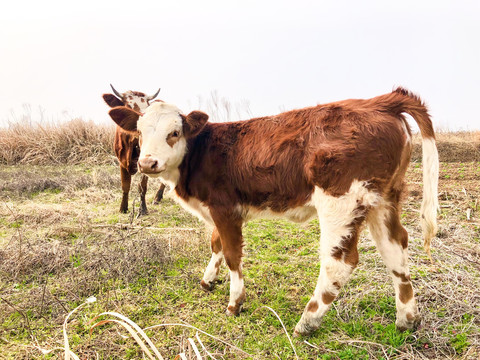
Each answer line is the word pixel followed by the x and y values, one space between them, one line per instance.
pixel 64 241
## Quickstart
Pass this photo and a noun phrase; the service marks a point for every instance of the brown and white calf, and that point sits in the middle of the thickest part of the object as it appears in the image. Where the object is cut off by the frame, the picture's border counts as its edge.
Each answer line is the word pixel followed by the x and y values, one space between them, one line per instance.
pixel 127 149
pixel 344 162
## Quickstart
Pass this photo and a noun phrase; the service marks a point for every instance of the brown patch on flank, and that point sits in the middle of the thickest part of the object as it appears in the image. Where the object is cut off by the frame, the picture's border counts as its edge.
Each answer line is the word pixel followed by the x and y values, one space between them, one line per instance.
pixel 312 306
pixel 328 297
pixel 402 276
pixel 406 292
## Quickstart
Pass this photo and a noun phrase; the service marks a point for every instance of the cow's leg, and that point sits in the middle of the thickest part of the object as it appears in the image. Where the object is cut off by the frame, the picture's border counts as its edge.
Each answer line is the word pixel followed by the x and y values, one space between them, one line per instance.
pixel 340 222
pixel 159 194
pixel 392 242
pixel 142 189
pixel 126 179
pixel 229 227
pixel 213 268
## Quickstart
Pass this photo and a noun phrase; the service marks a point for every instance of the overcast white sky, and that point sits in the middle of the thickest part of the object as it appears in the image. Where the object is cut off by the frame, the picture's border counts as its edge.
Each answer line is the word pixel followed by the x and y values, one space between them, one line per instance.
pixel 60 56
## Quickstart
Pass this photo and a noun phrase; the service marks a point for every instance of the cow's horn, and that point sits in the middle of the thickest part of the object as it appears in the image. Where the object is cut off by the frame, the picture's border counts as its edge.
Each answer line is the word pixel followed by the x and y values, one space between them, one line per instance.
pixel 116 92
pixel 153 96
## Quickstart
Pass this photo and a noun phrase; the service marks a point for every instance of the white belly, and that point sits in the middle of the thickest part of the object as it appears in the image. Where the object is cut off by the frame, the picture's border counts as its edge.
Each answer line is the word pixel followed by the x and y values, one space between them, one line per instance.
pixel 299 214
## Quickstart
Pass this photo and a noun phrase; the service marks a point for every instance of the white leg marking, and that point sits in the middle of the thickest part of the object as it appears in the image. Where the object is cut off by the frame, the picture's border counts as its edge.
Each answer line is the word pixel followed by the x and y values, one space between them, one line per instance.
pixel 340 218
pixel 396 260
pixel 213 267
pixel 237 292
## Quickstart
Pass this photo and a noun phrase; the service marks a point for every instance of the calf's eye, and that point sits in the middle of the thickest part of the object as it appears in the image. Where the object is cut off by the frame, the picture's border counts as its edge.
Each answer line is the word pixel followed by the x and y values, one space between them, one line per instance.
pixel 173 137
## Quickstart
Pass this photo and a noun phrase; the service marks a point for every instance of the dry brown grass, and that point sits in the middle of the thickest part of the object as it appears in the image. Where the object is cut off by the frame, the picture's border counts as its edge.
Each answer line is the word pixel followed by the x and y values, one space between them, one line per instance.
pixel 73 142
pixel 461 146
pixel 85 142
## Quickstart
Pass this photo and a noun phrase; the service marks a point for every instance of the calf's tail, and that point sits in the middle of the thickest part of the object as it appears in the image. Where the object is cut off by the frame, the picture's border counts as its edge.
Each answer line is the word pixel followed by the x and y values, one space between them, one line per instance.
pixel 412 105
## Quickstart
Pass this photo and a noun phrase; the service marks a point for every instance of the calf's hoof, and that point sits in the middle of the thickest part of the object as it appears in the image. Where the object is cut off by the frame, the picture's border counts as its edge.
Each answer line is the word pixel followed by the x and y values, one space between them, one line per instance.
pixel 207 286
pixel 234 310
pixel 410 322
pixel 306 327
pixel 142 212
pixel 302 331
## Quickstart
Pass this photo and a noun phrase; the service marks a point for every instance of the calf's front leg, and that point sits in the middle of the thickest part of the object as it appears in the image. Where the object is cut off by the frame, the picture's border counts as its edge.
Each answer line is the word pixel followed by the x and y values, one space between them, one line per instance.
pixel 142 189
pixel 230 232
pixel 213 268
pixel 126 179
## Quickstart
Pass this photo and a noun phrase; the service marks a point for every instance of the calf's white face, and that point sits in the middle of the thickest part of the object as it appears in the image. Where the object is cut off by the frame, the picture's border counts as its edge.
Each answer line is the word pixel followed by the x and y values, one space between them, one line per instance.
pixel 162 142
pixel 164 131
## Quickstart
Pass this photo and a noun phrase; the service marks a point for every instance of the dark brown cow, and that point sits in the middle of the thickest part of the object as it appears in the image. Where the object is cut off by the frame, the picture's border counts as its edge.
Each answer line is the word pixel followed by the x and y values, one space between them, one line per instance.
pixel 127 149
pixel 344 162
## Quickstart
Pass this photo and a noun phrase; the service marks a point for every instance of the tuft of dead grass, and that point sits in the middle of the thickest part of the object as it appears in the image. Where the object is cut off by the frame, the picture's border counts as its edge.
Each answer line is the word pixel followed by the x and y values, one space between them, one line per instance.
pixel 73 142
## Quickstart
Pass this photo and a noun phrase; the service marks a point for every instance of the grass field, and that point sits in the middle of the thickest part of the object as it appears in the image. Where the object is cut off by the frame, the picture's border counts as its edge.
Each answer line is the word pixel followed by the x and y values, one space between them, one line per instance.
pixel 62 240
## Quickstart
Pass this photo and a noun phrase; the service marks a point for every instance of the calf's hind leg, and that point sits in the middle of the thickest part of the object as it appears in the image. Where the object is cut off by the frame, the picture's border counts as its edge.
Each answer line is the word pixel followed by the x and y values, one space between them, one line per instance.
pixel 392 242
pixel 340 223
pixel 339 256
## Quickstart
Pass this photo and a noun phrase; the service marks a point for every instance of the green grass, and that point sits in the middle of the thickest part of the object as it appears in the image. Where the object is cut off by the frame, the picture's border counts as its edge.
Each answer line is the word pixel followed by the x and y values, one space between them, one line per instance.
pixel 149 270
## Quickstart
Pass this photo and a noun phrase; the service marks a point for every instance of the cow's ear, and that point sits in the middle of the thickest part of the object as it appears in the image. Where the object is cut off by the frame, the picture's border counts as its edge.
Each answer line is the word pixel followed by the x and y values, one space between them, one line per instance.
pixel 125 117
pixel 112 100
pixel 193 123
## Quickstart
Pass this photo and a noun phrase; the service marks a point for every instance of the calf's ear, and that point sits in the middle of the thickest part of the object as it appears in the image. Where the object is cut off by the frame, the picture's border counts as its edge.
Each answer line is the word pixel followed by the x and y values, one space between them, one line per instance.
pixel 193 123
pixel 112 100
pixel 125 117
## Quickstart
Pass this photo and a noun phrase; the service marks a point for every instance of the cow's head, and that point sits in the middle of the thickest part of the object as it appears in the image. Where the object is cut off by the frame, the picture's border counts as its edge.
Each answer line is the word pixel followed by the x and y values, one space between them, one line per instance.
pixel 135 100
pixel 163 131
